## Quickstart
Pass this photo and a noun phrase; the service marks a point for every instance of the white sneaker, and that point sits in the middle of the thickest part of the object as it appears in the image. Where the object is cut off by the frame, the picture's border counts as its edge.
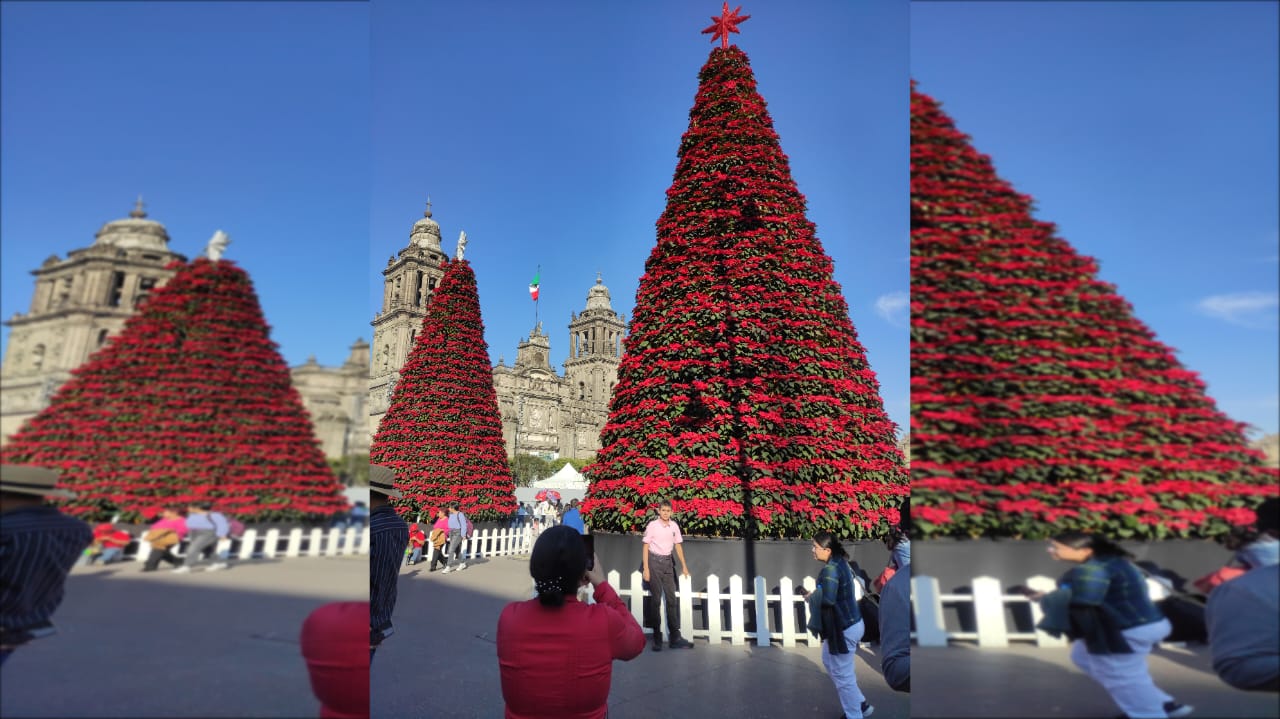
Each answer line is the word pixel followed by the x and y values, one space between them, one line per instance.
pixel 462 566
pixel 216 566
pixel 446 570
pixel 184 569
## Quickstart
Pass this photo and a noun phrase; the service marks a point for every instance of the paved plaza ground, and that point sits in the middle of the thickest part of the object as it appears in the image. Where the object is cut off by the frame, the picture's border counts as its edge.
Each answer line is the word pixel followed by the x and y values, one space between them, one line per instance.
pixel 226 644
pixel 442 662
pixel 216 644
pixel 1026 681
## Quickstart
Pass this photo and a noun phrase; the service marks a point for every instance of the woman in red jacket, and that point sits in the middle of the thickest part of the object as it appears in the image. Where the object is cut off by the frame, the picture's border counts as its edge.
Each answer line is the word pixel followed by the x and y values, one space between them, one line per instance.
pixel 556 653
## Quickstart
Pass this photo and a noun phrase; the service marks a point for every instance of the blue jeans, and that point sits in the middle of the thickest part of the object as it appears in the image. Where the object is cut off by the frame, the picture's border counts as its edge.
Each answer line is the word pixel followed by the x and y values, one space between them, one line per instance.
pixel 416 556
pixel 109 555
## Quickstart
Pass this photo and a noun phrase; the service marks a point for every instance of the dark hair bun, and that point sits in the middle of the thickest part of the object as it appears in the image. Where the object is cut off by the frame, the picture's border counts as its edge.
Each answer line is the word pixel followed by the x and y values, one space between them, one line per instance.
pixel 557 563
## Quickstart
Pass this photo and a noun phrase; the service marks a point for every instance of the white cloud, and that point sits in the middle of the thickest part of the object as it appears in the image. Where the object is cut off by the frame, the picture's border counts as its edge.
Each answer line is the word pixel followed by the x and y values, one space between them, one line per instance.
pixel 1248 309
pixel 894 308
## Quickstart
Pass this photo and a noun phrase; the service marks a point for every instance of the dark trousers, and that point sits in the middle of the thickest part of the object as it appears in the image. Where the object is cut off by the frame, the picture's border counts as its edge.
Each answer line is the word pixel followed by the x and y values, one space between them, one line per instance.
pixel 662 583
pixel 438 558
pixel 154 559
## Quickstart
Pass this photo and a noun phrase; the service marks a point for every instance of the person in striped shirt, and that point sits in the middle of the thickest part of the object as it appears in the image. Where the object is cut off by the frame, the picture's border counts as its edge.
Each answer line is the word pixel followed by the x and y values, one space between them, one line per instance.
pixel 388 538
pixel 38 547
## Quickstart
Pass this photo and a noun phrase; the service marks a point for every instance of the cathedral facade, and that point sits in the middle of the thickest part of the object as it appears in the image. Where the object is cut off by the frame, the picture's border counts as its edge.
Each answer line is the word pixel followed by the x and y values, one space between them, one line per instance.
pixel 560 416
pixel 82 301
pixel 543 412
pixel 79 303
pixel 335 397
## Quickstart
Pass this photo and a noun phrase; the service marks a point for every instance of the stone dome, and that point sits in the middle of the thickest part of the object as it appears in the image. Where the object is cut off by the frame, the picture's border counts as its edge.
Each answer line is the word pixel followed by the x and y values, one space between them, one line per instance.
pixel 134 232
pixel 598 296
pixel 426 232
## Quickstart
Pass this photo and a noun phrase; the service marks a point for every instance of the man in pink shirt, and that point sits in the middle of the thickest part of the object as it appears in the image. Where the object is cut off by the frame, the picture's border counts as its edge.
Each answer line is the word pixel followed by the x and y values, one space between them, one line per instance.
pixel 661 539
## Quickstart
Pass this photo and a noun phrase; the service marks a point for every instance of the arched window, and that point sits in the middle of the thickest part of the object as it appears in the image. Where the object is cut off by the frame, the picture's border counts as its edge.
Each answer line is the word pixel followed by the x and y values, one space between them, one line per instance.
pixel 145 286
pixel 102 337
pixel 117 289
pixel 582 390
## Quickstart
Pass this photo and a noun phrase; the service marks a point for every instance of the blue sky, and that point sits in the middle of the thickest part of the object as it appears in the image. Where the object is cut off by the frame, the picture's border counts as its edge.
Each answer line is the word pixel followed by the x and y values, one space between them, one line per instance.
pixel 548 132
pixel 252 118
pixel 1148 133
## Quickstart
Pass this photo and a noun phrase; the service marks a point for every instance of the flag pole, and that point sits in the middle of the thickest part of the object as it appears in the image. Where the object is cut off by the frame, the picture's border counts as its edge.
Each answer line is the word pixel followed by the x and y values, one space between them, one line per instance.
pixel 538 299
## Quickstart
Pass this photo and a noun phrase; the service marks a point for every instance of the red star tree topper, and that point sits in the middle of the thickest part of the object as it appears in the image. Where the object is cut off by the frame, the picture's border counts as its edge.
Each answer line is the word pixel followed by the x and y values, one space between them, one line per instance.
pixel 742 371
pixel 190 402
pixel 442 433
pixel 726 23
pixel 1039 402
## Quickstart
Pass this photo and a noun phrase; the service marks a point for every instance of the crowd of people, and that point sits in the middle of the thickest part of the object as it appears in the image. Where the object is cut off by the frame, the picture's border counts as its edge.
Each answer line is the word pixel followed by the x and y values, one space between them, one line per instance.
pixel 555 651
pixel 548 512
pixel 198 524
pixel 1102 602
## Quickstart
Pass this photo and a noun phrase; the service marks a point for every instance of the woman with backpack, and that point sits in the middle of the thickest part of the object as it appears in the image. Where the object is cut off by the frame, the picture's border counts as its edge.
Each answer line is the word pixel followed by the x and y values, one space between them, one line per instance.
pixel 841 623
pixel 1107 598
pixel 459 529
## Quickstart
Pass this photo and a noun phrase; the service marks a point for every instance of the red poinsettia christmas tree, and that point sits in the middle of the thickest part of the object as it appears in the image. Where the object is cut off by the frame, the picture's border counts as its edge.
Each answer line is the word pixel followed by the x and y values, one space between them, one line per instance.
pixel 1039 401
pixel 442 432
pixel 190 402
pixel 743 387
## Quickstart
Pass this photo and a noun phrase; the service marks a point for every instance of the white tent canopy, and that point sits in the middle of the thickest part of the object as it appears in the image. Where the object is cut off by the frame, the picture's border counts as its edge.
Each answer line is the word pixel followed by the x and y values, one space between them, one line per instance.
pixel 566 478
pixel 528 495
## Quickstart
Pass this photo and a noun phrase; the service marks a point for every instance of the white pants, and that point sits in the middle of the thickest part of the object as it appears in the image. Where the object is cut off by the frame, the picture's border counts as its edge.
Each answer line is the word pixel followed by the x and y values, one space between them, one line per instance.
pixel 840 667
pixel 1126 677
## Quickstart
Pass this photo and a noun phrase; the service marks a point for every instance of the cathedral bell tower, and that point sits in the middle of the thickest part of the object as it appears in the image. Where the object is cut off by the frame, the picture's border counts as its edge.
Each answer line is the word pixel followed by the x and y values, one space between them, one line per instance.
pixel 78 305
pixel 410 278
pixel 595 349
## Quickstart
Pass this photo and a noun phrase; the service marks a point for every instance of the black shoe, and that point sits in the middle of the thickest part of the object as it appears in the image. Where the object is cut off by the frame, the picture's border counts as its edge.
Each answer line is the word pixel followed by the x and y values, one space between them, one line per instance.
pixel 657 642
pixel 867 709
pixel 1174 709
pixel 681 643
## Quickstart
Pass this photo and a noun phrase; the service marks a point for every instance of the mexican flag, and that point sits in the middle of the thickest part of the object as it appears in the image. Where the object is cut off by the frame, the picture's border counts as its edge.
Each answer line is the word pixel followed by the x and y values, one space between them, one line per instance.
pixel 533 287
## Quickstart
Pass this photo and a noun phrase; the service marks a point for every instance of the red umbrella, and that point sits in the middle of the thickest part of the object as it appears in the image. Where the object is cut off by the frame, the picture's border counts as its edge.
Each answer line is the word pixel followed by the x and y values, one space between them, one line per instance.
pixel 553 496
pixel 541 495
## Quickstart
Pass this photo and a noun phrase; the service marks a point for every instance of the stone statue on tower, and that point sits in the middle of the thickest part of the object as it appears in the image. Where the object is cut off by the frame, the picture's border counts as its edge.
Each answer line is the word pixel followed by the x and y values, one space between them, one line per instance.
pixel 217 245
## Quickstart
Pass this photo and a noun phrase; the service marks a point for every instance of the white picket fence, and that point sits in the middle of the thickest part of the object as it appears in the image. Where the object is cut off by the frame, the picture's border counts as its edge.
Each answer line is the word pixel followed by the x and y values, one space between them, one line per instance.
pixel 990 606
pixel 724 609
pixel 274 543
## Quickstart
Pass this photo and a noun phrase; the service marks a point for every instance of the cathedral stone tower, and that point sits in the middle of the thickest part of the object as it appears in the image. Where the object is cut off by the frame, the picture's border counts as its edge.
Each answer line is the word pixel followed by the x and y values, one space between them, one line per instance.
pixel 552 416
pixel 79 303
pixel 410 278
pixel 595 347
